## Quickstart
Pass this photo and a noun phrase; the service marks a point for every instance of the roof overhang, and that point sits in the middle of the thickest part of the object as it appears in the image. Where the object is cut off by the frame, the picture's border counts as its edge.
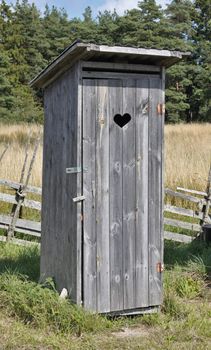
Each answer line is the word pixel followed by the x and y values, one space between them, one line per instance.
pixel 89 52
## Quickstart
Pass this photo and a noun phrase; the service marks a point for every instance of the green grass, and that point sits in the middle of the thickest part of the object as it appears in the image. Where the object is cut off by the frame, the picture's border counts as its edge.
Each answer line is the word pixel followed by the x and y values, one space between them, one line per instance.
pixel 32 316
pixel 195 256
pixel 17 260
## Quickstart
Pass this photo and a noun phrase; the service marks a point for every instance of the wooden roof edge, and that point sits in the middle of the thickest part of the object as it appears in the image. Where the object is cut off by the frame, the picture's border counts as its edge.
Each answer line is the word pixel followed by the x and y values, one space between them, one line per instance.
pixel 136 51
pixel 38 79
pixel 79 50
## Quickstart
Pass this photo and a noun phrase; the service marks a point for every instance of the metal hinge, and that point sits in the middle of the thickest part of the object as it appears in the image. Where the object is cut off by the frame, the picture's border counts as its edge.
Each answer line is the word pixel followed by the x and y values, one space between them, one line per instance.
pixel 160 267
pixel 161 109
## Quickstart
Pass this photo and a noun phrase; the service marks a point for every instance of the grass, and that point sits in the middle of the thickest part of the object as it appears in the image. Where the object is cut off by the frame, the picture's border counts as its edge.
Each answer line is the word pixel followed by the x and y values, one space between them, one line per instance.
pixel 187 159
pixel 187 153
pixel 17 137
pixel 32 316
pixel 195 256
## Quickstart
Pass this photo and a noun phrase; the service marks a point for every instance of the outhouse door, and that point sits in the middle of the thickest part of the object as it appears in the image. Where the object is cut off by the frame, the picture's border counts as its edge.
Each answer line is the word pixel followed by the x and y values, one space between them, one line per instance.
pixel 122 185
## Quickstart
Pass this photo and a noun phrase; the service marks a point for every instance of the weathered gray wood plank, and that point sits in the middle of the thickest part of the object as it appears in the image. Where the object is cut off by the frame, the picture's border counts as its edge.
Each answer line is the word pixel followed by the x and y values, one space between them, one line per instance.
pixel 129 195
pixel 16 186
pixel 155 193
pixel 59 214
pixel 79 262
pixel 177 237
pixel 19 241
pixel 141 241
pixel 206 216
pixel 183 196
pixel 102 197
pixel 121 66
pixel 136 51
pixel 8 198
pixel 182 224
pixel 90 250
pixel 115 192
pixel 200 193
pixel 47 254
pixel 183 211
pixel 66 277
pixel 72 226
pixel 33 227
pixel 162 124
pixel 21 230
pixel 112 75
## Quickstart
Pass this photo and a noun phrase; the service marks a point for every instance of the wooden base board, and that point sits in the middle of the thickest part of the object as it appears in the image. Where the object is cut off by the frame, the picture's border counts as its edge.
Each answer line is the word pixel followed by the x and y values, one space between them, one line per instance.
pixel 134 312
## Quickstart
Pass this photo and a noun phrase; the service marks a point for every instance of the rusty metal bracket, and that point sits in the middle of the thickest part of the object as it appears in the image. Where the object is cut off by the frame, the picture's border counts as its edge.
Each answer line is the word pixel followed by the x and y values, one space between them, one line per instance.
pixel 160 109
pixel 160 267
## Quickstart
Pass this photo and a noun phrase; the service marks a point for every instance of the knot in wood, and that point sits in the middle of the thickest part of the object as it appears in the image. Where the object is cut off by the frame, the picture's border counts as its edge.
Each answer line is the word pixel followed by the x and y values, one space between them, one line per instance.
pixel 118 166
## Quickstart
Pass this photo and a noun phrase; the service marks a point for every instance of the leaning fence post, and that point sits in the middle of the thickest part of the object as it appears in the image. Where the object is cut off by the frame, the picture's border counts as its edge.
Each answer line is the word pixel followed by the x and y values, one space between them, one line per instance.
pixel 4 151
pixel 21 193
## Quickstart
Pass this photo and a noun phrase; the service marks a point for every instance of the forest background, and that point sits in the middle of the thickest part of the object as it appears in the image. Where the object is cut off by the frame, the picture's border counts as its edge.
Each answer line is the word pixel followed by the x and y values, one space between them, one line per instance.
pixel 29 40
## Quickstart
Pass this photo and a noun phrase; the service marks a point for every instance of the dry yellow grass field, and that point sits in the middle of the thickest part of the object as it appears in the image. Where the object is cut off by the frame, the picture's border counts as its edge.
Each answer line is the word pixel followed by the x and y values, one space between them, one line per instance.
pixel 187 153
pixel 16 136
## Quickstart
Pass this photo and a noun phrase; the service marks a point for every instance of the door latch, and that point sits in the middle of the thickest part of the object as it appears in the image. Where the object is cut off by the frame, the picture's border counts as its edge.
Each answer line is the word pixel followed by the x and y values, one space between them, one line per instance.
pixel 78 199
pixel 75 170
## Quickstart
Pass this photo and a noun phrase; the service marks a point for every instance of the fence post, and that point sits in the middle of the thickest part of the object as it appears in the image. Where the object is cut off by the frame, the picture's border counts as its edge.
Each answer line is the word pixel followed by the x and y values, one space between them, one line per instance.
pixel 4 151
pixel 207 206
pixel 21 193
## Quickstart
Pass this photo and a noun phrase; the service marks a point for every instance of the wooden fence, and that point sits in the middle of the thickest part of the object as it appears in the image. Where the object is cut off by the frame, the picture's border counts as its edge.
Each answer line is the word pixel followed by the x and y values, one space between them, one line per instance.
pixel 176 218
pixel 185 219
pixel 27 228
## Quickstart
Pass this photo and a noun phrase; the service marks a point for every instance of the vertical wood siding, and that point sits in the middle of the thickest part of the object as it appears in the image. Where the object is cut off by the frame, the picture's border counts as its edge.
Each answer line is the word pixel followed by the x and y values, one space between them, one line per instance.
pixel 123 190
pixel 142 182
pixel 59 212
pixel 116 185
pixel 129 194
pixel 102 197
pixel 90 239
pixel 155 192
pixel 122 185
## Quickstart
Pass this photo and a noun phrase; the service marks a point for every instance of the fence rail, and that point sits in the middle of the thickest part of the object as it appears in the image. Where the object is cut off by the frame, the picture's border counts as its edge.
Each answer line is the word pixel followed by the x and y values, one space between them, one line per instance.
pixel 28 228
pixel 202 213
pixel 33 228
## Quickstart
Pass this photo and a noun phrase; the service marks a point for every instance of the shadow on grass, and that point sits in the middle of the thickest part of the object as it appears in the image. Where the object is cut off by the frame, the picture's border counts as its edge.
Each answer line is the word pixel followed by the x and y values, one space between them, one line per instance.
pixel 26 260
pixel 181 254
pixel 20 260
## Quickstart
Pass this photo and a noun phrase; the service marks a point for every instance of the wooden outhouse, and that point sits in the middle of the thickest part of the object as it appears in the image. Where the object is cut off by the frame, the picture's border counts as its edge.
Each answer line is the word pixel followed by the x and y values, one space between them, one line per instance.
pixel 102 205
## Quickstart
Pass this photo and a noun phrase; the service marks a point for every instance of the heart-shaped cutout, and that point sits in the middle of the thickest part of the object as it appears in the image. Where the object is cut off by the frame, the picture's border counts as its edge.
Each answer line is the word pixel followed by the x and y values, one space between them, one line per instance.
pixel 122 120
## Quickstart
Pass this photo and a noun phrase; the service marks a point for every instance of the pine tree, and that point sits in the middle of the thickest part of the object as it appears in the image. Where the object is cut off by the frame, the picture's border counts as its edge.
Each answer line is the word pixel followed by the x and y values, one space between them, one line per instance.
pixel 21 56
pixel 201 94
pixel 108 31
pixel 179 77
pixel 29 41
pixel 7 100
pixel 26 41
pixel 57 29
pixel 86 29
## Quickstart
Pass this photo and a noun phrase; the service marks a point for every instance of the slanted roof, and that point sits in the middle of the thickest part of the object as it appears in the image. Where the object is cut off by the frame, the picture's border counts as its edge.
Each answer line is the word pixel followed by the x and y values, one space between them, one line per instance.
pixel 92 52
